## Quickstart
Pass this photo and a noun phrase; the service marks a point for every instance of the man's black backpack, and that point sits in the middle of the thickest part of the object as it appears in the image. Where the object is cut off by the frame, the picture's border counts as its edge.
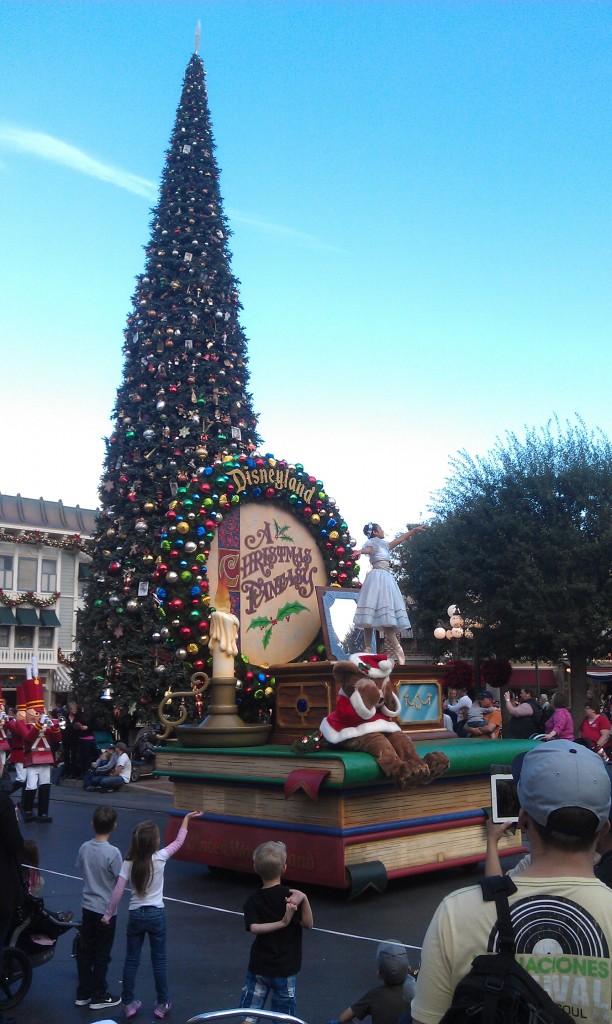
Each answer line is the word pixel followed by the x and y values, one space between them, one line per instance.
pixel 538 716
pixel 497 990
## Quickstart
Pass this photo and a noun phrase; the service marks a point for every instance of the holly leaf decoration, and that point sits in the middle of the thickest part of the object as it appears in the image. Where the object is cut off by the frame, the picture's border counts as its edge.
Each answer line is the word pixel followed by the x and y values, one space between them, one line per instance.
pixel 281 533
pixel 266 637
pixel 290 609
pixel 260 622
pixel 267 623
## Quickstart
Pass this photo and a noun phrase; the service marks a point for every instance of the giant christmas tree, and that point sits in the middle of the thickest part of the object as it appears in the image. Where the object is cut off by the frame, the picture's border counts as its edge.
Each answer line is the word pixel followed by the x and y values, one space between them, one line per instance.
pixel 183 402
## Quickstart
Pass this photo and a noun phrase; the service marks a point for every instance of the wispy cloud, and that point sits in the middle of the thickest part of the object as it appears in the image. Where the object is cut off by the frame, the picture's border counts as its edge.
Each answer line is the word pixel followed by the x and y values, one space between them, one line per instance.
pixel 302 237
pixel 46 147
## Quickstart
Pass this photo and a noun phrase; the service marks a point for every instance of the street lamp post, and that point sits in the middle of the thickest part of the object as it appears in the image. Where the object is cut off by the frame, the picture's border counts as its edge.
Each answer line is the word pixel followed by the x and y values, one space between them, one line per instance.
pixel 457 629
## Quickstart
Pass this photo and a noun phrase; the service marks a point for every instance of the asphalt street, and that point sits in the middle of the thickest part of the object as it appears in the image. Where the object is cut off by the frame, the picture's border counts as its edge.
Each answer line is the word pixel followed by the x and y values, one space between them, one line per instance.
pixel 208 946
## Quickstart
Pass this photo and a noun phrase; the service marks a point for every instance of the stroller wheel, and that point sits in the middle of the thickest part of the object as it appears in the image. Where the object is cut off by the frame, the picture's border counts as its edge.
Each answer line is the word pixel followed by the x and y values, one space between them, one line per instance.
pixel 15 977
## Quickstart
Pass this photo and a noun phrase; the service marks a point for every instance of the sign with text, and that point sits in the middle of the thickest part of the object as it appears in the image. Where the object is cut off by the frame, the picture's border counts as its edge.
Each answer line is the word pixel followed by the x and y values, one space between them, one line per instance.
pixel 271 564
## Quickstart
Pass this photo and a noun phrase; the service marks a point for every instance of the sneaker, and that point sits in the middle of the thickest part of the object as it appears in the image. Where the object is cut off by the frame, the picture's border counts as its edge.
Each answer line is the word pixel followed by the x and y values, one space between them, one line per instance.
pixel 131 1009
pixel 82 1002
pixel 108 1000
pixel 162 1009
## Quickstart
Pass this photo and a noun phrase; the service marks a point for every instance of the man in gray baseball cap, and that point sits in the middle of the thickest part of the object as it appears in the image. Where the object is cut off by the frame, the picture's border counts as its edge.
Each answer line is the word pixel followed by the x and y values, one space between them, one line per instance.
pixel 122 772
pixel 565 787
pixel 561 913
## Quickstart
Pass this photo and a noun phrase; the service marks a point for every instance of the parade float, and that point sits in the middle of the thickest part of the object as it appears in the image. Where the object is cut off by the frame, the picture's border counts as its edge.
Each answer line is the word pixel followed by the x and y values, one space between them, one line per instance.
pixel 257 569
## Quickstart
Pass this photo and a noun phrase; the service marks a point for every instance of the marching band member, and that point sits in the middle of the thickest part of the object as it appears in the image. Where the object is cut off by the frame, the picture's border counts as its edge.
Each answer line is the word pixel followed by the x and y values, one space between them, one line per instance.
pixel 5 744
pixel 38 731
pixel 16 742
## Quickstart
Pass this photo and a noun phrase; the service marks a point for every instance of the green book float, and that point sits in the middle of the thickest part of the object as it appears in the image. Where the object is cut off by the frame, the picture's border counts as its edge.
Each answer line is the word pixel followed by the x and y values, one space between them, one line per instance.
pixel 346 824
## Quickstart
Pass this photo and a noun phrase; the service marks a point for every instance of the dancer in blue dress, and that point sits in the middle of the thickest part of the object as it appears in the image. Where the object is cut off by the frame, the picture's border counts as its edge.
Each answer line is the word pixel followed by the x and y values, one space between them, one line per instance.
pixel 380 604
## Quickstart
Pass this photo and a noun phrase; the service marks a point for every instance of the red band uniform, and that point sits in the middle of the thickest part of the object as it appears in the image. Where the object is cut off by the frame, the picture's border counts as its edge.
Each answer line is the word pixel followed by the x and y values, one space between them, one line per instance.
pixel 37 732
pixel 5 744
pixel 16 755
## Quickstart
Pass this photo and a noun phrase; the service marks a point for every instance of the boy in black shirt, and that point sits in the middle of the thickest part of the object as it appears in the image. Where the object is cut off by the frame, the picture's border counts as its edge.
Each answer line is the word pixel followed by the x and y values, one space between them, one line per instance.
pixel 275 915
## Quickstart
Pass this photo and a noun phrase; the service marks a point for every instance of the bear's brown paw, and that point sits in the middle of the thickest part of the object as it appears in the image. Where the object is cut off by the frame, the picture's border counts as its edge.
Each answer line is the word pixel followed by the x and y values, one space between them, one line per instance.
pixel 437 763
pixel 412 775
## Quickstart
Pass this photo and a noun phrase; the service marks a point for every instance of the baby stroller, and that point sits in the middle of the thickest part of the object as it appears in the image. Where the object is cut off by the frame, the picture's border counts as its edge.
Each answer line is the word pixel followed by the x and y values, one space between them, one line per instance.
pixel 143 753
pixel 32 940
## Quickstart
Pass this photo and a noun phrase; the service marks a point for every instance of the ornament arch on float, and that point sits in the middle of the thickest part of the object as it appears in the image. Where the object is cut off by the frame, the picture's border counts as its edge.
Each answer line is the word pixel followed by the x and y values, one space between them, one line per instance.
pixel 270 530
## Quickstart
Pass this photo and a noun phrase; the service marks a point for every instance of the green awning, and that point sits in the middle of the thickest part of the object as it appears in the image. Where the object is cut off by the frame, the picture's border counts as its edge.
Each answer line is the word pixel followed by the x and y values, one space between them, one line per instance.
pixel 27 617
pixel 7 616
pixel 49 618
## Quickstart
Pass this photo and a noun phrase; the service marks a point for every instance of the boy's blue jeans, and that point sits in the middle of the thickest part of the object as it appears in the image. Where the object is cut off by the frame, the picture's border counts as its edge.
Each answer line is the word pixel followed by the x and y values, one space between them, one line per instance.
pixel 143 921
pixel 257 986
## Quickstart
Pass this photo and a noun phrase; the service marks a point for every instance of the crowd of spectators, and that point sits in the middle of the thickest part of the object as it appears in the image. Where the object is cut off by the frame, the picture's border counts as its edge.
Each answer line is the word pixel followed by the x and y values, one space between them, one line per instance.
pixel 524 715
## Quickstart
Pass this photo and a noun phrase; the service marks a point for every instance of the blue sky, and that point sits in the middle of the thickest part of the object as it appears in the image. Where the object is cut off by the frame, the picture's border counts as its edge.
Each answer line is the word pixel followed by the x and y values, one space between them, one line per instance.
pixel 420 200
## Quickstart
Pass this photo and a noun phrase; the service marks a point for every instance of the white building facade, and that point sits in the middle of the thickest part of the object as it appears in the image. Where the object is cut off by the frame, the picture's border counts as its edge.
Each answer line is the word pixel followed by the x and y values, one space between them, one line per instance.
pixel 44 569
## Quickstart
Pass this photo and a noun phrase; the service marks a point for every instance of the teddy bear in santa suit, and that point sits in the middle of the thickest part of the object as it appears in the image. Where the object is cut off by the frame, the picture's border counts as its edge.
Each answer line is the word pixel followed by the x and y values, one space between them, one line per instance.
pixel 364 719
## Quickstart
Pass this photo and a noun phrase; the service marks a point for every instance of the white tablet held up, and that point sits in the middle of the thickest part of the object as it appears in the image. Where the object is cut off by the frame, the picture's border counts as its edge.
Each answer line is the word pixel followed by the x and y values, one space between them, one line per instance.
pixel 504 799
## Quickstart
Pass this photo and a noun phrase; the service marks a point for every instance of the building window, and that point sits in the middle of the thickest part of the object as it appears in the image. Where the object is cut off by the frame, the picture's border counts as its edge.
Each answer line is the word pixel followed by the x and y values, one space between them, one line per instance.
pixel 4 636
pixel 27 572
pixel 84 578
pixel 45 638
pixel 48 576
pixel 6 572
pixel 24 636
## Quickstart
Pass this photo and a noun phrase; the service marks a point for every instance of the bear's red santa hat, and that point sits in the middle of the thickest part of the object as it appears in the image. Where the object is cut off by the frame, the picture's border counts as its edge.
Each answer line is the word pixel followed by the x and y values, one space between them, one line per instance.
pixel 374 666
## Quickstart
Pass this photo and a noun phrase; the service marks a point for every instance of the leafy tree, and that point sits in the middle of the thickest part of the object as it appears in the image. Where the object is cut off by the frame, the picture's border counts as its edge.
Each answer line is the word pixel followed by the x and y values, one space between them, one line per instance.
pixel 353 641
pixel 522 541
